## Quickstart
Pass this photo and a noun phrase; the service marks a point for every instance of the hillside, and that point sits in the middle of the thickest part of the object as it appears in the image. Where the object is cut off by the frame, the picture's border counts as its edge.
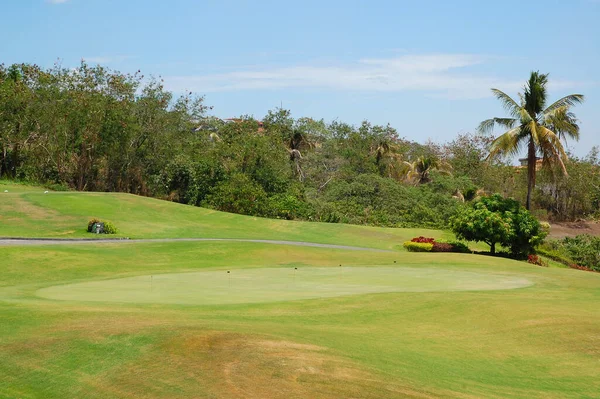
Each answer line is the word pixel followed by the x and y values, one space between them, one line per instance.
pixel 28 212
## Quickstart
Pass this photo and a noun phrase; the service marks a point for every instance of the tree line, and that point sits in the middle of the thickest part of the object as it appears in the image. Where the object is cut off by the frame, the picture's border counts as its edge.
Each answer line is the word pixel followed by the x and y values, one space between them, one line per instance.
pixel 91 128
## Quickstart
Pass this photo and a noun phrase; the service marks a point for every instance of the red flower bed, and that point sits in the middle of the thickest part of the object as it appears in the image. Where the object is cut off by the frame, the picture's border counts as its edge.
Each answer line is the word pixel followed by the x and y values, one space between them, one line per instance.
pixel 423 240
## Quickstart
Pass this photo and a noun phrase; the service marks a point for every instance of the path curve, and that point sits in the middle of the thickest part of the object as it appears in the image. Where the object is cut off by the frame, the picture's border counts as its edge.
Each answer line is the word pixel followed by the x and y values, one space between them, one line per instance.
pixel 70 241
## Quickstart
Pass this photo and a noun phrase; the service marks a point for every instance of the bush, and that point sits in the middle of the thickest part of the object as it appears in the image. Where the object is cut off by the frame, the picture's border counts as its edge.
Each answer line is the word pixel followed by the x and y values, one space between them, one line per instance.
pixel 459 247
pixel 110 228
pixel 442 247
pixel 238 194
pixel 286 206
pixel 91 224
pixel 580 252
pixel 584 250
pixel 579 267
pixel 536 260
pixel 418 246
pixel 554 254
pixel 57 187
pixel 422 239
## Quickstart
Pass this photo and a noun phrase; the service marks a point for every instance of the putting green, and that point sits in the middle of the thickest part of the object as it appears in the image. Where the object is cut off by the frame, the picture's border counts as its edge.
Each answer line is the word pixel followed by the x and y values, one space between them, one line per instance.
pixel 278 284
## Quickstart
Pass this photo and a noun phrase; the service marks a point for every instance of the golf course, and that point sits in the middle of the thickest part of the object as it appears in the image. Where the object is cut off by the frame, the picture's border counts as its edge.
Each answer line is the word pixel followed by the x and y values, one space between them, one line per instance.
pixel 196 303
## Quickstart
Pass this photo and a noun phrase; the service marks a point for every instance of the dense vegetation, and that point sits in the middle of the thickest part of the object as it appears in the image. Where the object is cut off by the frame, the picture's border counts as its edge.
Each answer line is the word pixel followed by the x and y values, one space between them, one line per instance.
pixel 580 252
pixel 94 129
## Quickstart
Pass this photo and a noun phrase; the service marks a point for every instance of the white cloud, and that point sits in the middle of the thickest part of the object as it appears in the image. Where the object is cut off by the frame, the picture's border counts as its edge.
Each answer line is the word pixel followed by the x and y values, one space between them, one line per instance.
pixel 444 75
pixel 57 1
pixel 437 75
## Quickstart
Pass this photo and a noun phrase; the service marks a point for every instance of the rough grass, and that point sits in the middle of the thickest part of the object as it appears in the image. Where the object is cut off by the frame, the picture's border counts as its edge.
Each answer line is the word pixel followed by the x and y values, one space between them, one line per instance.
pixel 540 341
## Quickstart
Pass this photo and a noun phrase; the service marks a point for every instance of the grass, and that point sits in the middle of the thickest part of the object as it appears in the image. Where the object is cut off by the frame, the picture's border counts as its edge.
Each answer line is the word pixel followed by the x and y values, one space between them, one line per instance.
pixel 66 214
pixel 261 285
pixel 346 339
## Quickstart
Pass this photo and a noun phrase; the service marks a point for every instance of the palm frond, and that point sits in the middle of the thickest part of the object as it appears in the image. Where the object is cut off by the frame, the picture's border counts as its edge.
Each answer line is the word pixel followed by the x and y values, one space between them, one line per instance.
pixel 524 116
pixel 535 93
pixel 508 143
pixel 551 148
pixel 508 103
pixel 563 122
pixel 487 126
pixel 566 101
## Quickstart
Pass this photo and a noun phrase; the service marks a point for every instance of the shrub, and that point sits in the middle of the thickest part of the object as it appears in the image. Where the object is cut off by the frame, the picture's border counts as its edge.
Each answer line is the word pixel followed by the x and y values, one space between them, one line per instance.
pixel 554 254
pixel 579 267
pixel 418 246
pixel 238 194
pixel 442 247
pixel 110 228
pixel 422 239
pixel 460 247
pixel 581 252
pixel 437 246
pixel 57 187
pixel 584 250
pixel 91 224
pixel 536 260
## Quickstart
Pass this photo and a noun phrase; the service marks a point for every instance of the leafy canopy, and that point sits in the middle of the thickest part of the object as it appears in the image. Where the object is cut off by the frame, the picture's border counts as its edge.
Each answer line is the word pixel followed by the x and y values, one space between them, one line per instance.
pixel 497 220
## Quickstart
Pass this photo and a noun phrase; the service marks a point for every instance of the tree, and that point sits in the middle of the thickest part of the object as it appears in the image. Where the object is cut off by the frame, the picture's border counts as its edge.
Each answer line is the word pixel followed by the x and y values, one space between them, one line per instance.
pixel 420 170
pixel 497 220
pixel 533 124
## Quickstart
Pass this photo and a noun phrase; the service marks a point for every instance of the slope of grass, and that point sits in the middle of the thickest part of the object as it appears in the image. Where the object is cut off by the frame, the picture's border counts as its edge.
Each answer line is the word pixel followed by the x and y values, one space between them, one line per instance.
pixel 66 214
pixel 536 341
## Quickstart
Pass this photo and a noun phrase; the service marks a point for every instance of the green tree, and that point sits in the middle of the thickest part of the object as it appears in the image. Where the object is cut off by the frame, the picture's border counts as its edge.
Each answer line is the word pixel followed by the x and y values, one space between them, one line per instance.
pixel 497 220
pixel 533 124
pixel 419 171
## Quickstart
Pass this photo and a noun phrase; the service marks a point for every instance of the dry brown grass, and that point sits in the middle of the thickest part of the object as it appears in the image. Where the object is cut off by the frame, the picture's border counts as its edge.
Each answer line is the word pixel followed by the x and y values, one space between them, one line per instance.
pixel 233 365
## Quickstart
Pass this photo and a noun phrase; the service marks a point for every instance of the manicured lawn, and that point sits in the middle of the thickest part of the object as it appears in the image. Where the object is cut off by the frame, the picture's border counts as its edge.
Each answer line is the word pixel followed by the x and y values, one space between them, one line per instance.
pixel 66 214
pixel 86 321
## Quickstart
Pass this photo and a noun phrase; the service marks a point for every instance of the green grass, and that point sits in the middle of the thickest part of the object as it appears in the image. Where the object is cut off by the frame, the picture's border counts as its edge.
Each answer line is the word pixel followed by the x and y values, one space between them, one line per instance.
pixel 260 285
pixel 66 214
pixel 79 321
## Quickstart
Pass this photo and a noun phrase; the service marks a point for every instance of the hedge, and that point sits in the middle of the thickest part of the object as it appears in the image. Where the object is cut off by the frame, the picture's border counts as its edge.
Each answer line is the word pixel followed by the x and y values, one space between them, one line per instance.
pixel 418 246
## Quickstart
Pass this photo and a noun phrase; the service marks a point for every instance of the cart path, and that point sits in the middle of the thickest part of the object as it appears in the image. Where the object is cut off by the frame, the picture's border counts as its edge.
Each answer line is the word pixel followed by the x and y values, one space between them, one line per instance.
pixel 54 241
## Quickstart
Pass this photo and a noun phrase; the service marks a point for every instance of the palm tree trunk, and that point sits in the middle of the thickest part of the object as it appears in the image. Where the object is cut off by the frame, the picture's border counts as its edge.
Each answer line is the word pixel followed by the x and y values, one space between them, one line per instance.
pixel 531 164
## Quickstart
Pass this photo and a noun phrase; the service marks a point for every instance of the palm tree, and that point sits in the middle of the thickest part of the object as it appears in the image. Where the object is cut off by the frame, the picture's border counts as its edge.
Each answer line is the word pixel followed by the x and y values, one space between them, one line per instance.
pixel 533 124
pixel 418 171
pixel 298 140
pixel 388 157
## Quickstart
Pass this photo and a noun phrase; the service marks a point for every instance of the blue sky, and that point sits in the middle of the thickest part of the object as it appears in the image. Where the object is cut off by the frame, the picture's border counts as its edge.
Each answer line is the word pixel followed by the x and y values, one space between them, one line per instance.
pixel 424 66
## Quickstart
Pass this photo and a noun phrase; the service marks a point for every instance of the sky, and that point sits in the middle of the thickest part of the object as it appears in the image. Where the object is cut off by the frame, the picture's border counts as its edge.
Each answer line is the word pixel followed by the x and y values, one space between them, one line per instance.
pixel 425 67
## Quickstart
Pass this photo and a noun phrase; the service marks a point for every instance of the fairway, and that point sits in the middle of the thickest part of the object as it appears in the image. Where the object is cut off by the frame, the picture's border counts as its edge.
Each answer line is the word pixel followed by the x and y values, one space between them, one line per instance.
pixel 277 284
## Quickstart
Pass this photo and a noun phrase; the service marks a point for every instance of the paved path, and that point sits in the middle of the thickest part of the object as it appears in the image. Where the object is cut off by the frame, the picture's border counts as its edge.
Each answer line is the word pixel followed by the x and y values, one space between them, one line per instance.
pixel 54 241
